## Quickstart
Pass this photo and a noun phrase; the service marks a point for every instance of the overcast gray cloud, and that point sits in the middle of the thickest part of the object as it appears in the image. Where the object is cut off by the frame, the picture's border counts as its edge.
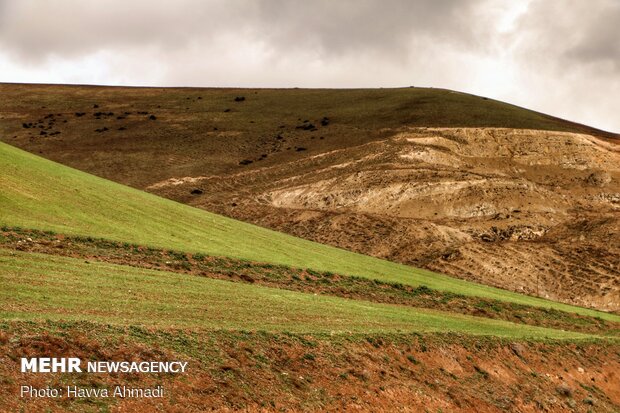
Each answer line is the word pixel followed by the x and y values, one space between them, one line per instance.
pixel 558 56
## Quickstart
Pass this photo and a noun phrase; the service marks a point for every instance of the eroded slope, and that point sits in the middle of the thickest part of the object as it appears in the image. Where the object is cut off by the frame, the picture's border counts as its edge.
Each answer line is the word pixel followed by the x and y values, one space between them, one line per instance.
pixel 517 208
pixel 532 211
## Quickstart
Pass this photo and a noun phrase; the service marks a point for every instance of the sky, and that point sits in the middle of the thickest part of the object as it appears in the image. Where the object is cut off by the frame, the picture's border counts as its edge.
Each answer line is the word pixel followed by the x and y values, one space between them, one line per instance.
pixel 560 57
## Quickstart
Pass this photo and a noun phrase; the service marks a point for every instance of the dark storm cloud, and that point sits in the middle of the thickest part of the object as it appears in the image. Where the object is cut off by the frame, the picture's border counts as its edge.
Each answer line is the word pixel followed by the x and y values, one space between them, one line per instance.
pixel 574 31
pixel 600 38
pixel 360 26
pixel 35 29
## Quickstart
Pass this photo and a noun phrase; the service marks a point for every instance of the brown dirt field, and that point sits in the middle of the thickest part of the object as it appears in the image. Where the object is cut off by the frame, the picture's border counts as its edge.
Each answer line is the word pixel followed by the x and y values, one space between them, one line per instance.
pixel 255 371
pixel 531 207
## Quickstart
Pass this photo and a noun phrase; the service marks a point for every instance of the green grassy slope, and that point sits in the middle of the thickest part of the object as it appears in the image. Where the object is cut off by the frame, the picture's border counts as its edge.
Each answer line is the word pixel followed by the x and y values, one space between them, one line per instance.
pixel 41 287
pixel 40 194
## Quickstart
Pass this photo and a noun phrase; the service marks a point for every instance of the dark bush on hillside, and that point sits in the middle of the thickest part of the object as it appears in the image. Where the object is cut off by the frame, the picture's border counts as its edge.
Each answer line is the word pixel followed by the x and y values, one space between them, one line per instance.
pixel 412 359
pixel 307 126
pixel 564 390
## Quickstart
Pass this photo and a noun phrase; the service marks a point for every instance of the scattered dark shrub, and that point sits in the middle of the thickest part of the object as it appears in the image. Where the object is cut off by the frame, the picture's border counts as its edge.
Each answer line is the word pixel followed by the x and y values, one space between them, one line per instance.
pixel 564 390
pixel 307 126
pixel 412 359
pixel 482 372
pixel 199 256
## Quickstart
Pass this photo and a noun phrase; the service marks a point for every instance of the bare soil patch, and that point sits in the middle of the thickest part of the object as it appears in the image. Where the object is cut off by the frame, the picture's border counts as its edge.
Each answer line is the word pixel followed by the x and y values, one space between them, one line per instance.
pixel 257 371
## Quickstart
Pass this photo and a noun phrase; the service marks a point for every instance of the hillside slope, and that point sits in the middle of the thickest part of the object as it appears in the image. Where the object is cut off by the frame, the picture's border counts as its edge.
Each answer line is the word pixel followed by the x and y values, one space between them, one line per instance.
pixel 43 287
pixel 530 211
pixel 40 194
pixel 108 131
pixel 258 335
pixel 446 181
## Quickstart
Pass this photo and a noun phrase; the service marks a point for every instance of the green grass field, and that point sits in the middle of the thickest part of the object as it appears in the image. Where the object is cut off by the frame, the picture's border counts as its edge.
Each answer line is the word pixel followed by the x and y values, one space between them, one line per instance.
pixel 39 287
pixel 37 193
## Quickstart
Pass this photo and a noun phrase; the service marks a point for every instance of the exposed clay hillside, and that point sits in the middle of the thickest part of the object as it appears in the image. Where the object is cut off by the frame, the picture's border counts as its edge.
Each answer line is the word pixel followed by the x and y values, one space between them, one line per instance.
pixel 532 211
pixel 488 192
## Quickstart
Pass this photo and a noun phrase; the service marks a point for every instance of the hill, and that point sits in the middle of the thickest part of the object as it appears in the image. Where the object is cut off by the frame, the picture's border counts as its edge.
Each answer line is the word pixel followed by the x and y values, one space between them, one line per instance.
pixel 43 195
pixel 241 324
pixel 427 177
pixel 111 300
pixel 267 321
